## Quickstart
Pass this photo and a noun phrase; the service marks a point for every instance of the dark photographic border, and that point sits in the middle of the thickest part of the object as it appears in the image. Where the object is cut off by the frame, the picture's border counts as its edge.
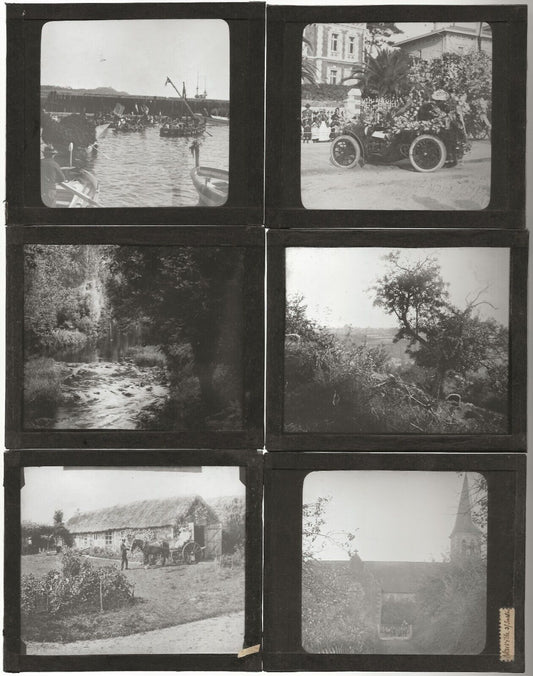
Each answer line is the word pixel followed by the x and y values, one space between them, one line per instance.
pixel 278 439
pixel 251 435
pixel 284 477
pixel 244 206
pixel 16 660
pixel 283 192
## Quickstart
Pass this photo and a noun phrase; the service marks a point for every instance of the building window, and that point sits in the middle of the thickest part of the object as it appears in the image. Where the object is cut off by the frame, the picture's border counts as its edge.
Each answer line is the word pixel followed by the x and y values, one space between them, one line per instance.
pixel 333 76
pixel 351 47
pixel 108 539
pixel 334 43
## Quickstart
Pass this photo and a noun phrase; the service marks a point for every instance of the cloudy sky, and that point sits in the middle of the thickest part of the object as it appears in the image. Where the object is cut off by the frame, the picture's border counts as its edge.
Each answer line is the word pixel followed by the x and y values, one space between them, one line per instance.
pixel 137 55
pixel 335 282
pixel 395 516
pixel 49 488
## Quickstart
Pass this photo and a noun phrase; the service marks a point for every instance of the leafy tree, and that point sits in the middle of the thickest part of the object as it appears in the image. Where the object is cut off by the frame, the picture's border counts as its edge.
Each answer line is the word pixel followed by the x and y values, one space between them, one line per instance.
pixel 232 514
pixel 337 611
pixel 452 609
pixel 379 35
pixel 186 295
pixel 441 336
pixel 458 74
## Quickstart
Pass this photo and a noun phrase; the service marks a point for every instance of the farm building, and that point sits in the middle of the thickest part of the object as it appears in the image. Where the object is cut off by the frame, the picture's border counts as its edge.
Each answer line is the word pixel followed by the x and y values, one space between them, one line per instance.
pixel 174 520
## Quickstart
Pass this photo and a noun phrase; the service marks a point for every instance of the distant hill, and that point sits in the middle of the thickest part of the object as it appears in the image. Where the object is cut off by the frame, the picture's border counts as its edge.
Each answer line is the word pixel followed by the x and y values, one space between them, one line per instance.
pixel 105 91
pixel 372 337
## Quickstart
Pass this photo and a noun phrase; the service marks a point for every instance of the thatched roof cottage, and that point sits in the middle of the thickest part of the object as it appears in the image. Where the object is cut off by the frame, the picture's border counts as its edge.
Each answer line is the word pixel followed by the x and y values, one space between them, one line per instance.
pixel 169 519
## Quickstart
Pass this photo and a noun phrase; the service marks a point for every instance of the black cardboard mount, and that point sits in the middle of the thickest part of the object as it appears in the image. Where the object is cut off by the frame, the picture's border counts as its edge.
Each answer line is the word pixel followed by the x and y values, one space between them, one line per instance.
pixel 285 25
pixel 278 439
pixel 244 206
pixel 251 465
pixel 284 477
pixel 250 239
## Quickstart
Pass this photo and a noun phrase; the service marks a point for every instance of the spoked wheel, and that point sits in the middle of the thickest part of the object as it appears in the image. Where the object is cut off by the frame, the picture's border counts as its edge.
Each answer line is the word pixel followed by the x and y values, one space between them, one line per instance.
pixel 427 153
pixel 192 552
pixel 345 152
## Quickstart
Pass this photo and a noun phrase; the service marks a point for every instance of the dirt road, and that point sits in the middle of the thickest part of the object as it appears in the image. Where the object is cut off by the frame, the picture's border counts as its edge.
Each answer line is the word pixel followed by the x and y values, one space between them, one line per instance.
pixel 222 634
pixel 466 186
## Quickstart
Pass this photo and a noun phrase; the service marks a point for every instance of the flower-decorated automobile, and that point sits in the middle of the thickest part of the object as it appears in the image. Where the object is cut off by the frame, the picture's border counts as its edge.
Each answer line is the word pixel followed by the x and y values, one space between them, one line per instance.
pixel 431 139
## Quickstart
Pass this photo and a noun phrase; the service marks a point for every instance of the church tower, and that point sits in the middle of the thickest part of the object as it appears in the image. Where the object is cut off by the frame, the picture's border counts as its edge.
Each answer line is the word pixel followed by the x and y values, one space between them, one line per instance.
pixel 466 536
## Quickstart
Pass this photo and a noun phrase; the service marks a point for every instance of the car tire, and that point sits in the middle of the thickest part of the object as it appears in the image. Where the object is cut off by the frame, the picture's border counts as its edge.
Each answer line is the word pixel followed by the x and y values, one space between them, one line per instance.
pixel 345 152
pixel 427 153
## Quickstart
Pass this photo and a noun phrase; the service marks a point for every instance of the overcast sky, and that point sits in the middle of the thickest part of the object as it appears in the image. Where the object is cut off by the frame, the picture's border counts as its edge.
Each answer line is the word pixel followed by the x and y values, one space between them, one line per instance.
pixel 137 55
pixel 394 515
pixel 49 488
pixel 335 282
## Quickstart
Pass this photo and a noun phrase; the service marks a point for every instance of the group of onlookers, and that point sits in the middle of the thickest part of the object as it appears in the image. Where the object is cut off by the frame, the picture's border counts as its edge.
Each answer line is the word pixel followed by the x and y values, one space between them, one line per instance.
pixel 320 125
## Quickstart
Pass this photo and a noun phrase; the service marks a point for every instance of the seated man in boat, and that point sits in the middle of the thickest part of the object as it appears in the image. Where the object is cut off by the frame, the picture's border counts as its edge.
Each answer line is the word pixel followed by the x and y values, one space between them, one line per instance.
pixel 51 175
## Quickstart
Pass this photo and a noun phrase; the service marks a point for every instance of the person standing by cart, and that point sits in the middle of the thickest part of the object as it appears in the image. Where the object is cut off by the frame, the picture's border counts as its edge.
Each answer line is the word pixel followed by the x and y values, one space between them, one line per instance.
pixel 123 555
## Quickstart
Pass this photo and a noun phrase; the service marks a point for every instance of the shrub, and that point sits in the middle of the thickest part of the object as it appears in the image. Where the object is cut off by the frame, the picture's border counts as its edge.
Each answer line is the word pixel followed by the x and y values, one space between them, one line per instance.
pixel 147 355
pixel 32 594
pixel 78 584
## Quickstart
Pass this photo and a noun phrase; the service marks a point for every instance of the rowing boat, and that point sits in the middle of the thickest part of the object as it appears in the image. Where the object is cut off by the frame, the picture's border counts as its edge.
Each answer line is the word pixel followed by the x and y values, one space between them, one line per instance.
pixel 79 192
pixel 218 120
pixel 188 130
pixel 211 185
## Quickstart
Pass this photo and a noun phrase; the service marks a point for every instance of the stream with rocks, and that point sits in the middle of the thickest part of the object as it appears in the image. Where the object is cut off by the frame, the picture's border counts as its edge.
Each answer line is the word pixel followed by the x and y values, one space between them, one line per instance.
pixel 102 387
pixel 108 395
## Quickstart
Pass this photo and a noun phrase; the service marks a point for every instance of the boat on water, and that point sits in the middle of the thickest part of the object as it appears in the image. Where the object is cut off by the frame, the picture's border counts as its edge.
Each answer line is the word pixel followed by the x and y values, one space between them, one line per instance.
pixel 78 192
pixel 183 129
pixel 218 120
pixel 211 184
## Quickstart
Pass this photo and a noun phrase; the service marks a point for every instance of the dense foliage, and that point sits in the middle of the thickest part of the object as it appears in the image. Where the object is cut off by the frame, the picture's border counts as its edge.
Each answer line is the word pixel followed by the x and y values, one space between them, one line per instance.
pixel 337 608
pixel 78 585
pixel 232 514
pixel 452 609
pixel 189 299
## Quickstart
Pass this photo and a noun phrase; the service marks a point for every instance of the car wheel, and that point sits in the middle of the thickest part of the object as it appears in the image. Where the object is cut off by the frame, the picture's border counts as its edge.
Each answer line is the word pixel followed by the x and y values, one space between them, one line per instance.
pixel 345 152
pixel 427 153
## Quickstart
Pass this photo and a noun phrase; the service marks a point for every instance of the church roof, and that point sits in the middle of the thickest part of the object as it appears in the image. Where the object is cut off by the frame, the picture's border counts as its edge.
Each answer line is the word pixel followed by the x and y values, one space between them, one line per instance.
pixel 400 577
pixel 463 520
pixel 403 577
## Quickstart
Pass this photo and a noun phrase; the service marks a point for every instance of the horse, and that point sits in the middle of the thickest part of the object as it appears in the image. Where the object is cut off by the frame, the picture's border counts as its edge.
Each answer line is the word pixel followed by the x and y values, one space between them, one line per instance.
pixel 151 551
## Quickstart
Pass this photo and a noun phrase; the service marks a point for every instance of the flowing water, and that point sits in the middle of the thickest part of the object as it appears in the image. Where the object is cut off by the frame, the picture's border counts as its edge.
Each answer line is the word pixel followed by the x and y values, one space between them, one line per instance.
pixel 103 389
pixel 143 169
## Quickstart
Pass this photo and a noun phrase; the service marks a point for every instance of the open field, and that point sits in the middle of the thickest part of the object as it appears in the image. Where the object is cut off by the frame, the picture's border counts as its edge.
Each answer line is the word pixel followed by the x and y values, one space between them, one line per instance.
pixel 164 597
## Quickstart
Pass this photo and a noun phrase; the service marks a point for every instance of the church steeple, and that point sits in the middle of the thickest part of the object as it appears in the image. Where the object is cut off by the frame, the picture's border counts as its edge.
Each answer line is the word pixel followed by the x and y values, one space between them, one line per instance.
pixel 466 536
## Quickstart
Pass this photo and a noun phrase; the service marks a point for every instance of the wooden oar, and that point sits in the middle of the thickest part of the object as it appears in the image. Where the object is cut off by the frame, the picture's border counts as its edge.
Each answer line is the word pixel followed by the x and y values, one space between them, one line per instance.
pixel 78 193
pixel 184 100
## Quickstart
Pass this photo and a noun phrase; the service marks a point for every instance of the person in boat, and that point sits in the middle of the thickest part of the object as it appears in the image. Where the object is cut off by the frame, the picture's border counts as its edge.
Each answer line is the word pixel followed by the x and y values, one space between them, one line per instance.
pixel 51 175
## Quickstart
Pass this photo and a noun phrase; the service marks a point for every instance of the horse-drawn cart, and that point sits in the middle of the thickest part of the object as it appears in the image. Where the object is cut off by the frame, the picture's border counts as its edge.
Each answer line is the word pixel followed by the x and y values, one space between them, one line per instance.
pixel 188 552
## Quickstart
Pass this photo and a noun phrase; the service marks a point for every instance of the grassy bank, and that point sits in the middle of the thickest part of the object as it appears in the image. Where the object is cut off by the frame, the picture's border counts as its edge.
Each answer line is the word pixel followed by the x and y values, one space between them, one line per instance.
pixel 42 385
pixel 146 355
pixel 164 597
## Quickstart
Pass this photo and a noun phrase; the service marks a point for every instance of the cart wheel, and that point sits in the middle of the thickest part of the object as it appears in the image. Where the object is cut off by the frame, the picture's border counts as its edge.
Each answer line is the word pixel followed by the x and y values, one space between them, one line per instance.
pixel 192 552
pixel 345 152
pixel 427 153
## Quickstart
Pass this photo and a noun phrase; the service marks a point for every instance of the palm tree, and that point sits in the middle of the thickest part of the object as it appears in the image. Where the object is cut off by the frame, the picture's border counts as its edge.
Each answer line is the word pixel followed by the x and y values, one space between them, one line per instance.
pixel 308 67
pixel 385 74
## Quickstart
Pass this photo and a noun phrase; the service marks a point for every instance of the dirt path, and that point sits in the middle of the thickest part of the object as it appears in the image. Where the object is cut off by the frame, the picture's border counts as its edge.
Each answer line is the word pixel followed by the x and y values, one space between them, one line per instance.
pixel 466 186
pixel 223 634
